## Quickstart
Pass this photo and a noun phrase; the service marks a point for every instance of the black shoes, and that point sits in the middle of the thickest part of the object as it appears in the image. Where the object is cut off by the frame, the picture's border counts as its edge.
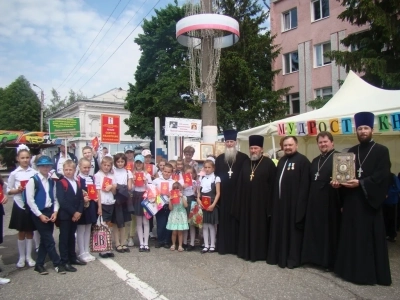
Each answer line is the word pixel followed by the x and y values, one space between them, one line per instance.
pixel 103 255
pixel 205 250
pixel 41 270
pixel 167 246
pixel 60 269
pixel 69 268
pixel 77 262
pixel 119 249
pixel 190 248
pixel 126 249
pixel 146 248
pixel 110 254
pixel 159 245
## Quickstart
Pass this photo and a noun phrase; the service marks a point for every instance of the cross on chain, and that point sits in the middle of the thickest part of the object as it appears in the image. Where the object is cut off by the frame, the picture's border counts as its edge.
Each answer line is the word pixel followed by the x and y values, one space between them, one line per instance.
pixel 316 175
pixel 359 172
pixel 230 173
pixel 251 176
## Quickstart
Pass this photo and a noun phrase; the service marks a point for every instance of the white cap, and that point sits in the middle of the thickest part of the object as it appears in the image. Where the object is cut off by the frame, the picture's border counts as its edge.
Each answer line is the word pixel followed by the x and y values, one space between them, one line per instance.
pixel 146 152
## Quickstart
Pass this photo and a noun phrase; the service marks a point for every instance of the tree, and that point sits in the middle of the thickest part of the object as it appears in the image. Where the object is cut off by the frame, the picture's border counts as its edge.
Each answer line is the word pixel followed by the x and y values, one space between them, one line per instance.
pixel 19 107
pixel 57 103
pixel 161 86
pixel 246 76
pixel 376 52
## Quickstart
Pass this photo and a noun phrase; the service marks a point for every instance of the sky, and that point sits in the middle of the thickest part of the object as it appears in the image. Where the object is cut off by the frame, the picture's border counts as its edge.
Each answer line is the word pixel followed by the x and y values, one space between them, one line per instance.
pixel 53 43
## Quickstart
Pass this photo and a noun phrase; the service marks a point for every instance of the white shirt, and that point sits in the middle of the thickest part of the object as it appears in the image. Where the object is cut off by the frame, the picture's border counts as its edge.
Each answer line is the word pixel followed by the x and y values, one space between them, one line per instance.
pixel 144 187
pixel 207 180
pixel 14 181
pixel 60 164
pixel 107 198
pixel 122 175
pixel 73 183
pixel 30 195
pixel 88 179
pixel 157 182
pixel 189 191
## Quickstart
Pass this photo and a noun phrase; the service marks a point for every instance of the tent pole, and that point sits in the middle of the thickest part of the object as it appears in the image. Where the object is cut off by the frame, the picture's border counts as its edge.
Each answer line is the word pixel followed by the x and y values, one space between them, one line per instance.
pixel 273 145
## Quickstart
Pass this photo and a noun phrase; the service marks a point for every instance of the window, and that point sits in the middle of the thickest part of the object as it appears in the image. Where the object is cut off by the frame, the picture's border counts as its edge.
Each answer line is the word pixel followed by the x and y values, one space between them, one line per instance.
pixel 294 103
pixel 319 9
pixel 289 19
pixel 324 93
pixel 291 62
pixel 320 50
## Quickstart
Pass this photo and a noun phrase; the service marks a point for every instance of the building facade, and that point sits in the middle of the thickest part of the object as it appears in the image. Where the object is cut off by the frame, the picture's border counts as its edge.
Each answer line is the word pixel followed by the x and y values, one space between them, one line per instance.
pixel 89 112
pixel 305 30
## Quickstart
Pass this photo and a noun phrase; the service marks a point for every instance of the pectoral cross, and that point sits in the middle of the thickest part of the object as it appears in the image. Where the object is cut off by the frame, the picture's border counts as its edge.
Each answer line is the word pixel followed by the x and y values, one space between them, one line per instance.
pixel 230 172
pixel 251 176
pixel 316 175
pixel 359 171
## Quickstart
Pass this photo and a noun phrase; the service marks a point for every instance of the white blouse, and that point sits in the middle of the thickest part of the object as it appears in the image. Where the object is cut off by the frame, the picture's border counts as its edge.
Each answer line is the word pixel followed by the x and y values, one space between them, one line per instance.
pixel 14 181
pixel 207 180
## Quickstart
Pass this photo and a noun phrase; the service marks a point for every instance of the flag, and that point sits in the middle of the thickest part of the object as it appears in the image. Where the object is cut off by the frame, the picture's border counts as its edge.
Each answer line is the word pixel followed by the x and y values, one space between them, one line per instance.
pixel 95 143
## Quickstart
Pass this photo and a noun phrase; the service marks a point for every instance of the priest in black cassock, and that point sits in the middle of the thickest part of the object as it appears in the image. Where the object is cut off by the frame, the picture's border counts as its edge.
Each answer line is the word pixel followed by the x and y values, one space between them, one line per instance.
pixel 252 202
pixel 321 230
pixel 362 255
pixel 289 206
pixel 228 166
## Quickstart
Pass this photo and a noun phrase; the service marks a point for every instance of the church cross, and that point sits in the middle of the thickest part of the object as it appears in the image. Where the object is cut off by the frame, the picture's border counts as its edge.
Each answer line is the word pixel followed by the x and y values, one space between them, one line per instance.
pixel 359 172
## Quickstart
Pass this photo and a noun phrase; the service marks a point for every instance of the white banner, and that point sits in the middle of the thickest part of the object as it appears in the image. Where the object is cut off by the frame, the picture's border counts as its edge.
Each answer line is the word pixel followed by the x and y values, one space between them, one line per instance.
pixel 182 127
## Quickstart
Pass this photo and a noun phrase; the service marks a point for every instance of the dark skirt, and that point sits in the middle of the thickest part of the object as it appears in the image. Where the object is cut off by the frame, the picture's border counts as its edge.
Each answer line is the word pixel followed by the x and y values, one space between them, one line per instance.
pixel 137 203
pixel 21 219
pixel 107 212
pixel 189 200
pixel 121 214
pixel 210 217
pixel 89 214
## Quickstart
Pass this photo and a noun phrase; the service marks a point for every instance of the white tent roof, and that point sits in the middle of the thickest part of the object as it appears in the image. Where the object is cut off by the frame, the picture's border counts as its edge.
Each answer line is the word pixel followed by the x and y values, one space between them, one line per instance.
pixel 354 96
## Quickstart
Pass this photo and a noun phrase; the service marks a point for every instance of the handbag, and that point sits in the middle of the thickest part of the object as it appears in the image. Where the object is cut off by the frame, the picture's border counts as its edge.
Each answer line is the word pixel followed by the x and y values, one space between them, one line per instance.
pixel 195 215
pixel 100 237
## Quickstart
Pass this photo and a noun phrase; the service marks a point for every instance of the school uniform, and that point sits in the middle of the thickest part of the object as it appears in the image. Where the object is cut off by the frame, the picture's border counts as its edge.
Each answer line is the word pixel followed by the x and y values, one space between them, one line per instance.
pixel 19 220
pixel 138 192
pixel 121 214
pixel 189 193
pixel 89 214
pixel 107 198
pixel 43 202
pixel 208 188
pixel 71 201
pixel 163 234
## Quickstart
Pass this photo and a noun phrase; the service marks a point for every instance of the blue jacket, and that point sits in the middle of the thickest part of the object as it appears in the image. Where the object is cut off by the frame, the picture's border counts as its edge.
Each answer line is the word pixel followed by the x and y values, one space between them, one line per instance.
pixel 394 191
pixel 70 203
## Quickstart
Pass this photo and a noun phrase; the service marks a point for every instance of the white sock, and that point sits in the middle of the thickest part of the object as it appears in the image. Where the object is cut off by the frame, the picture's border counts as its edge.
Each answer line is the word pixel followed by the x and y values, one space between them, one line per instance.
pixel 36 238
pixel 22 249
pixel 146 230
pixel 192 234
pixel 139 229
pixel 80 234
pixel 86 238
pixel 212 235
pixel 185 235
pixel 205 234
pixel 28 244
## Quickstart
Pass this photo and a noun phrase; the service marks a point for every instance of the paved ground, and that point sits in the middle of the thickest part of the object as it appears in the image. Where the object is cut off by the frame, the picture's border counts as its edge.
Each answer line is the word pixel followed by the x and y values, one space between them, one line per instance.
pixel 163 274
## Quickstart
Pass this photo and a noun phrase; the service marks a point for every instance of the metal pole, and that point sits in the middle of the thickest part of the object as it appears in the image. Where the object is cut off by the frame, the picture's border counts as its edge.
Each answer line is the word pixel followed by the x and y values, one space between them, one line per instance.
pixel 41 110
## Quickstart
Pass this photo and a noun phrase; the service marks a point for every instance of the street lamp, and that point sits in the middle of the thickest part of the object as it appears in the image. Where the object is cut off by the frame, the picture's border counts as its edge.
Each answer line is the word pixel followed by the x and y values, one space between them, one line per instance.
pixel 41 106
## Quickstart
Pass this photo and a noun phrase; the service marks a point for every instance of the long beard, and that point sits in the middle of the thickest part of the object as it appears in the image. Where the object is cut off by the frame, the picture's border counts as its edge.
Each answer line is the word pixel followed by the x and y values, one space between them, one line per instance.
pixel 230 155
pixel 255 157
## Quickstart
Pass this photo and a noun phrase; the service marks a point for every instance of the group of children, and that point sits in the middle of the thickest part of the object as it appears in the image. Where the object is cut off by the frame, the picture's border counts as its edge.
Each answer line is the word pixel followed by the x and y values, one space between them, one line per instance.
pixel 43 198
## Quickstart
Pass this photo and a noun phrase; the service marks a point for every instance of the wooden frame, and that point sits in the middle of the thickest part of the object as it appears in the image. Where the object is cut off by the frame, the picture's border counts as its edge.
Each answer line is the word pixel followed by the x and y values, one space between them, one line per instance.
pixel 205 150
pixel 219 148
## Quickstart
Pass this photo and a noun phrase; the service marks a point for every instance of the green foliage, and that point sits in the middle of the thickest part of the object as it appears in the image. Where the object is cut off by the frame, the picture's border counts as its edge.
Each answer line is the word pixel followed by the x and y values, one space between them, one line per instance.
pixel 378 54
pixel 162 76
pixel 245 82
pixel 57 103
pixel 19 107
pixel 318 102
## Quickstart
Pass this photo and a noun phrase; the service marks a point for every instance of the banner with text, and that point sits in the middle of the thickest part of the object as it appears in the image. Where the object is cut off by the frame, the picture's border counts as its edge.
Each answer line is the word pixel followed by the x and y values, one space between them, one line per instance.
pixel 182 127
pixel 383 123
pixel 63 128
pixel 110 128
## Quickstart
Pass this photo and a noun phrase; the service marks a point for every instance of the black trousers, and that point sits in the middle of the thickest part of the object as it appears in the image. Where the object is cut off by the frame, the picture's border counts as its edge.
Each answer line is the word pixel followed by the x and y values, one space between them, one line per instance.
pixel 390 218
pixel 67 241
pixel 47 244
pixel 163 234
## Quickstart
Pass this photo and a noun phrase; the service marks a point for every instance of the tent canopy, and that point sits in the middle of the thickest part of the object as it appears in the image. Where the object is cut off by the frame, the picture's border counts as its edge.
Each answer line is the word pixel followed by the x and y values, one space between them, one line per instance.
pixel 354 96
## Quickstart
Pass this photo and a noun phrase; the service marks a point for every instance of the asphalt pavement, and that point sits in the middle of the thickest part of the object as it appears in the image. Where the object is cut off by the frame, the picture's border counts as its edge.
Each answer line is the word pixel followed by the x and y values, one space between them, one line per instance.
pixel 165 274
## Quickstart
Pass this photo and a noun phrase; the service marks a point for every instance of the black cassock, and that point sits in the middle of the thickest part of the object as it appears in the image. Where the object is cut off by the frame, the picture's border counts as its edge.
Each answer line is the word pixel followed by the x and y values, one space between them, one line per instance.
pixel 228 227
pixel 288 211
pixel 252 208
pixel 362 255
pixel 321 230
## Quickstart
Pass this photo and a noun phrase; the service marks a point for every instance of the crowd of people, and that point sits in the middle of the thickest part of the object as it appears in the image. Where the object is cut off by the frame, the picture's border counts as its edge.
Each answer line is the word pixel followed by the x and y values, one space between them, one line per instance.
pixel 287 213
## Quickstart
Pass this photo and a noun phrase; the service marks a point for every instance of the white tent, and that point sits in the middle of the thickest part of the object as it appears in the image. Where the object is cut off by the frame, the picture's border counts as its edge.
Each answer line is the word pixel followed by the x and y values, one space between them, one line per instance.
pixel 355 95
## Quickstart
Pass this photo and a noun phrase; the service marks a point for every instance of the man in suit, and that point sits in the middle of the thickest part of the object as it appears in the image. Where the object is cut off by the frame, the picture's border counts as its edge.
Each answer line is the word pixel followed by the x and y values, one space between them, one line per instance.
pixel 60 158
